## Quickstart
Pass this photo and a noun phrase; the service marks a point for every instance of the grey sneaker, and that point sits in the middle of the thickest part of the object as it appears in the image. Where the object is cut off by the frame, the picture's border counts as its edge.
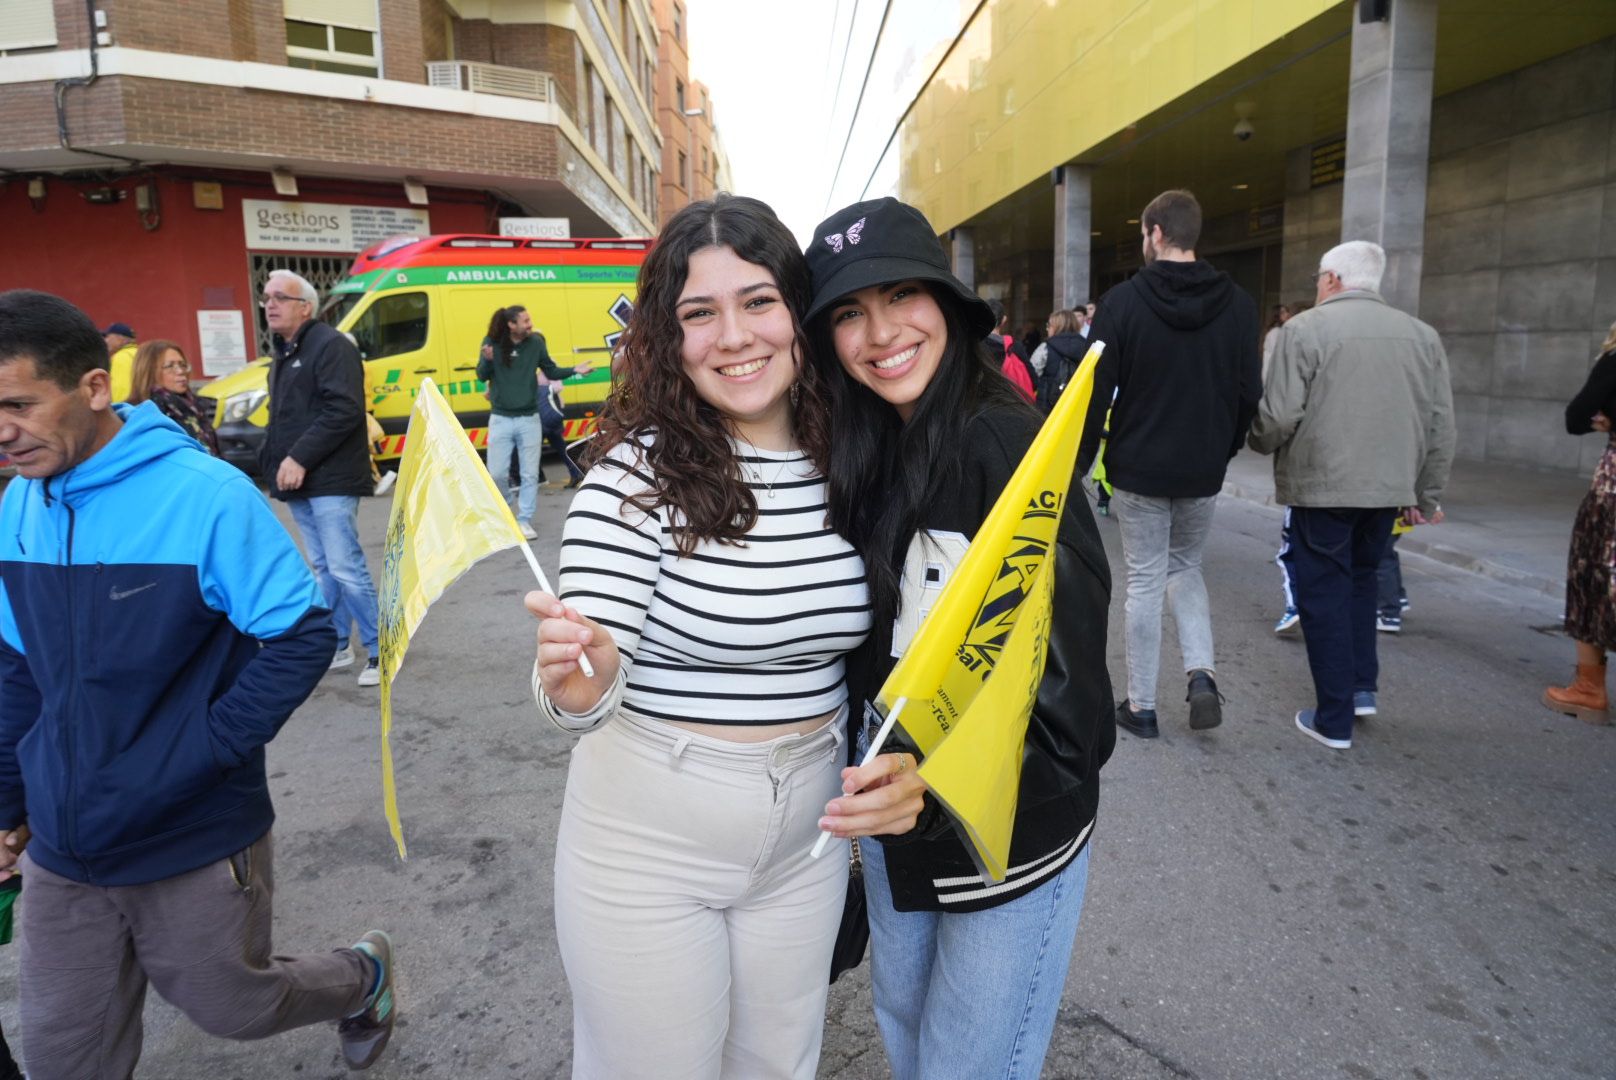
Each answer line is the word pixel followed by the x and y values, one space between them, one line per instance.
pixel 364 1035
pixel 342 658
pixel 372 675
pixel 1304 723
pixel 1363 703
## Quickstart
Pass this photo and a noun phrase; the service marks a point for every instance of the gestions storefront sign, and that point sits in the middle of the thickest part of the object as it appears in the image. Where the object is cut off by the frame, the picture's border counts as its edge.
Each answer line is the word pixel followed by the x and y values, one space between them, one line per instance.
pixel 272 225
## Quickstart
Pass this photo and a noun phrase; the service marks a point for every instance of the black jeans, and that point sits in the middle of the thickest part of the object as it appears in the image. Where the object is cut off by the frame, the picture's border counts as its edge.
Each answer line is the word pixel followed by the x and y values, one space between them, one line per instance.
pixel 1333 558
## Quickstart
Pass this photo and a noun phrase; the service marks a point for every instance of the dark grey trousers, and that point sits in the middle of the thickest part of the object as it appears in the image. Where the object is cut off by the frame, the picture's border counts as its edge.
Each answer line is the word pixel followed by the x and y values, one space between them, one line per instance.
pixel 202 939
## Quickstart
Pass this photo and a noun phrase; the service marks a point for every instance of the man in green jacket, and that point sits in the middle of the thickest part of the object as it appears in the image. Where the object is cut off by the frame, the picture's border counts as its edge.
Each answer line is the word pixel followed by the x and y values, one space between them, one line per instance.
pixel 510 365
pixel 1358 413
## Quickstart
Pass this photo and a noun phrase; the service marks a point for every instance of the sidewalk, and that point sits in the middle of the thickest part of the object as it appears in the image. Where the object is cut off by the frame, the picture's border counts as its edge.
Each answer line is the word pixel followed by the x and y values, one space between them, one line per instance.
pixel 1507 523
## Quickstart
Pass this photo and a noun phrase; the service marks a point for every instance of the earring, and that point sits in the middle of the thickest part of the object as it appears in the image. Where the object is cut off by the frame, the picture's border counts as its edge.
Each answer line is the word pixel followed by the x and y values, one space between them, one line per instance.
pixel 796 392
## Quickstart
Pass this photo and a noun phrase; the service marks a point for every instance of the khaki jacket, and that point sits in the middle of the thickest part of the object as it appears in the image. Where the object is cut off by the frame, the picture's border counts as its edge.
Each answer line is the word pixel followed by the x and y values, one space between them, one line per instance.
pixel 1357 408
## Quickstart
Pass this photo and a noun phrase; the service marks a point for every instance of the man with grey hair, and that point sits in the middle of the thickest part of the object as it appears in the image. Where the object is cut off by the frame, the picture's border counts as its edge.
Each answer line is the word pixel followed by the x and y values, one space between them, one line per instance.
pixel 1358 412
pixel 316 455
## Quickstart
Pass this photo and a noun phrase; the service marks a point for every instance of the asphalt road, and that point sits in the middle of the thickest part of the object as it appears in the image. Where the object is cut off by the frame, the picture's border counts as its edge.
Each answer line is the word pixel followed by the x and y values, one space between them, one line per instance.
pixel 1437 902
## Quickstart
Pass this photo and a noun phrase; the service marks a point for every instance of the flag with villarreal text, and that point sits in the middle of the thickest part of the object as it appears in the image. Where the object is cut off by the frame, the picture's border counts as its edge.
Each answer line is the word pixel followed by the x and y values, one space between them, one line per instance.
pixel 447 515
pixel 970 677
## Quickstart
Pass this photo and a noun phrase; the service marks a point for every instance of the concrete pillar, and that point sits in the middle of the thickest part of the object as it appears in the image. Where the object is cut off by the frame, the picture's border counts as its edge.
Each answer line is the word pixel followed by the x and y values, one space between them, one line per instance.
pixel 1389 142
pixel 963 244
pixel 1074 223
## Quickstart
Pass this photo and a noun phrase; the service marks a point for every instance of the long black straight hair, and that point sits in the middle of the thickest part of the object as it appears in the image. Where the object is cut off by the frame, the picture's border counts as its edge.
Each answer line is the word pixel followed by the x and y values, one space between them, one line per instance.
pixel 886 474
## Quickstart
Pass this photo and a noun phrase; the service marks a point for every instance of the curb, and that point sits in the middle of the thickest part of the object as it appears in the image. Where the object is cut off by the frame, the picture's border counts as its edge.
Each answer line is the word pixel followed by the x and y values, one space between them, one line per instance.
pixel 1552 587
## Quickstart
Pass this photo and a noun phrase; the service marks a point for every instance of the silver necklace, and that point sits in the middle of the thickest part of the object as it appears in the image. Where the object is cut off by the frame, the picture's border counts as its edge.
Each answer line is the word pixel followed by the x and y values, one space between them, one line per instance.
pixel 768 485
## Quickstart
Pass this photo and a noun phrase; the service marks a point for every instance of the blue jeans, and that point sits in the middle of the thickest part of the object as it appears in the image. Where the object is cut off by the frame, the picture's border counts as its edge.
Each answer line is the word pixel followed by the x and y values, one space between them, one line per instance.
pixel 555 434
pixel 971 995
pixel 1389 577
pixel 330 528
pixel 1335 558
pixel 526 436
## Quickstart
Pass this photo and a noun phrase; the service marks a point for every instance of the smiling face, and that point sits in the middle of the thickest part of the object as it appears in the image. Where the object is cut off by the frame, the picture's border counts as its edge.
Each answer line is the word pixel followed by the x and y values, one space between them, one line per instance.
pixel 46 430
pixel 740 344
pixel 521 326
pixel 174 372
pixel 891 338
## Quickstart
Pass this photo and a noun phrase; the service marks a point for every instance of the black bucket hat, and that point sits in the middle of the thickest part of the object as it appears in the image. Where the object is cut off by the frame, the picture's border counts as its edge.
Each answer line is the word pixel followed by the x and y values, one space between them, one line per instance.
pixel 881 241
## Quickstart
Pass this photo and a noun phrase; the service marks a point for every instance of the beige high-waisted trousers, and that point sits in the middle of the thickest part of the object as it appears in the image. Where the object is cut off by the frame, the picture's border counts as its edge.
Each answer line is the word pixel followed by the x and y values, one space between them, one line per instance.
pixel 695 928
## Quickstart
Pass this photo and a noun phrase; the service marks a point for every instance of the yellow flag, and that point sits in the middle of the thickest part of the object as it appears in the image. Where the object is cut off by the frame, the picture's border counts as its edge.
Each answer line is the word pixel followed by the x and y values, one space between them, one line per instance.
pixel 447 514
pixel 971 674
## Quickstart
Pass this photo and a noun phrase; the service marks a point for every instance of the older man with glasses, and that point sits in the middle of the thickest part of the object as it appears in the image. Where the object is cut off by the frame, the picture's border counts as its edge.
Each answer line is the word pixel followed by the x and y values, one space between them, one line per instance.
pixel 317 457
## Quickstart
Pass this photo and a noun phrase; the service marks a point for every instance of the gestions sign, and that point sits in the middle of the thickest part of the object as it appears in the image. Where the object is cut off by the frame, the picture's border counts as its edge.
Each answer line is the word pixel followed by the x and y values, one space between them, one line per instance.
pixel 272 225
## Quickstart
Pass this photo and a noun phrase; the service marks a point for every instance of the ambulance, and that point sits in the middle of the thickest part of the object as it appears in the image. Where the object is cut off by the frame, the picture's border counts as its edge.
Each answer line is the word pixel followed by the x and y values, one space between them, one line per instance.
pixel 419 307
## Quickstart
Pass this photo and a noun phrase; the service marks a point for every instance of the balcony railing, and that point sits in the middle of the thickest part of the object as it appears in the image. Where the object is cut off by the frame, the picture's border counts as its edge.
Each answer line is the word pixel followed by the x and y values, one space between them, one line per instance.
pixel 501 80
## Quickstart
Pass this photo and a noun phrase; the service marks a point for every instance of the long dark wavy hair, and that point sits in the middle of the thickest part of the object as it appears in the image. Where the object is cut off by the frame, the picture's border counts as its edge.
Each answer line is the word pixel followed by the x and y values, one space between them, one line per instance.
pixel 499 331
pixel 885 474
pixel 692 464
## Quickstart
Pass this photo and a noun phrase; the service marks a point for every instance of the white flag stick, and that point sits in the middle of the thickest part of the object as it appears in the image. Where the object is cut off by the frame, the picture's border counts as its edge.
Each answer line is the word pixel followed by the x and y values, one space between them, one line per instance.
pixel 875 748
pixel 544 583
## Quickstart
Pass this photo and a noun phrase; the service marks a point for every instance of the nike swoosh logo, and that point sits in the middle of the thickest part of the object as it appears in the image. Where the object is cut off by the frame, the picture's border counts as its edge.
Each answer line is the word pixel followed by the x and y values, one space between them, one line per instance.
pixel 124 594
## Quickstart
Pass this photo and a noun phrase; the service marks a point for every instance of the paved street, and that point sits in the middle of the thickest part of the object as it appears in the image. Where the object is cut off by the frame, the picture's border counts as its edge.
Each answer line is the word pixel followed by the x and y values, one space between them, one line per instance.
pixel 1439 902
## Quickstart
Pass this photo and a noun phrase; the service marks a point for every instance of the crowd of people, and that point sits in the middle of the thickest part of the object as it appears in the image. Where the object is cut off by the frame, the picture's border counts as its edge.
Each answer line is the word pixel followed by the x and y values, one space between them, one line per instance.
pixel 797 451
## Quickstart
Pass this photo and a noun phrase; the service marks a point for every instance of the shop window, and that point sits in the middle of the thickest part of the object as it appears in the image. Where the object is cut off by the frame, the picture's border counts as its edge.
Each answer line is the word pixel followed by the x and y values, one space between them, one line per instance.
pixel 396 323
pixel 27 24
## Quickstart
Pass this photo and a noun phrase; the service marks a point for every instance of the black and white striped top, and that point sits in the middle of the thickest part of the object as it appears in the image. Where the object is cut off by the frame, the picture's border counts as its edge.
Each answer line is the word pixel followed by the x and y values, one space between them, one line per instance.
pixel 730 634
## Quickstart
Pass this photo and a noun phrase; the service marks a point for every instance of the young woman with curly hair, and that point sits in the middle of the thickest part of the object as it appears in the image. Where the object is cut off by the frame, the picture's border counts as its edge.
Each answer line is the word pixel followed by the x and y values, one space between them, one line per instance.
pixel 715 604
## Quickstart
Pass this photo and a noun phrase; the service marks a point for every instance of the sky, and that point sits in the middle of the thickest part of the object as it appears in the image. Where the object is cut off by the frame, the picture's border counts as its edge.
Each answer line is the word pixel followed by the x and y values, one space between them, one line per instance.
pixel 769 68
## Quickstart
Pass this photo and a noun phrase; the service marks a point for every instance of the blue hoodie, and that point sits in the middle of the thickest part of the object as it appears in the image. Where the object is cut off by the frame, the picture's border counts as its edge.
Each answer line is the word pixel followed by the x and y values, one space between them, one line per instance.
pixel 157 627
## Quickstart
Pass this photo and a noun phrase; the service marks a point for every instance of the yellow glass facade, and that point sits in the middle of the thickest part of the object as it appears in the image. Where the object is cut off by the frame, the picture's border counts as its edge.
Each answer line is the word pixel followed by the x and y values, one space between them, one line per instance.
pixel 1030 85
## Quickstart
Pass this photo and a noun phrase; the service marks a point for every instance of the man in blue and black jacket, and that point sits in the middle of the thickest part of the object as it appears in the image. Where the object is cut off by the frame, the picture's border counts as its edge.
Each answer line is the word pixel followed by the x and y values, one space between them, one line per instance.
pixel 157 627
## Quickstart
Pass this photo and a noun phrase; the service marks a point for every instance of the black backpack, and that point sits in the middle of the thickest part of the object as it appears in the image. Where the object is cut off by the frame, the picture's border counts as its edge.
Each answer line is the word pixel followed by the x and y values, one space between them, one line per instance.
pixel 1058 371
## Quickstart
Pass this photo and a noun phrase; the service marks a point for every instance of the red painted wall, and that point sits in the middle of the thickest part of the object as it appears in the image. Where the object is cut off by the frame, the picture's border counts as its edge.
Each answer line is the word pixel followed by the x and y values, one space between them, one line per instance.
pixel 102 259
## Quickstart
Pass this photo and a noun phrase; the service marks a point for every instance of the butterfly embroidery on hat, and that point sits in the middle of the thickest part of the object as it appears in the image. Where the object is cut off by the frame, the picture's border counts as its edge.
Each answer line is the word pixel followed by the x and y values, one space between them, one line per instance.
pixel 854 232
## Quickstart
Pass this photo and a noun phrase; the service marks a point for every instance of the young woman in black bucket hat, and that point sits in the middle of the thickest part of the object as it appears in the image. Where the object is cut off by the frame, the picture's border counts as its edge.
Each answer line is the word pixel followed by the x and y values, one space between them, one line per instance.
pixel 927 434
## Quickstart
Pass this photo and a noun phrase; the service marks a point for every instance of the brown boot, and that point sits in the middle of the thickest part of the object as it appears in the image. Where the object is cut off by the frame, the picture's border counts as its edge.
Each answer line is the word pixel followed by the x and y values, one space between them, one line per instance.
pixel 1585 698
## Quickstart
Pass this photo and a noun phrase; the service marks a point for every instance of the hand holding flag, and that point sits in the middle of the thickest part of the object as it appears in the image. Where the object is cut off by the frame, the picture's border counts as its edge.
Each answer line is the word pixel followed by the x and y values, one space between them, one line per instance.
pixel 964 690
pixel 565 639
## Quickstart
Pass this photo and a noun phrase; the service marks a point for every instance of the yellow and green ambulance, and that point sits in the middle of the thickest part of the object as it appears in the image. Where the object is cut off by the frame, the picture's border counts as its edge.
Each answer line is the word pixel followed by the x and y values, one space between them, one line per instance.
pixel 420 307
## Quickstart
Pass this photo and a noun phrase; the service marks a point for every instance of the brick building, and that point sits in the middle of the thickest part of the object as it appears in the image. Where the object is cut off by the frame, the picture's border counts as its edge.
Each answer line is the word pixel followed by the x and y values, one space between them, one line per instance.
pixel 693 162
pixel 158 158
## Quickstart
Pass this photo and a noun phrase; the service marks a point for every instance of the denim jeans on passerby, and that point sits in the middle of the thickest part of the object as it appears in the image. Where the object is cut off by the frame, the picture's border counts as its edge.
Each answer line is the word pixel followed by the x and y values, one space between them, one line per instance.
pixel 554 424
pixel 526 435
pixel 1389 583
pixel 1162 542
pixel 1334 557
pixel 330 528
pixel 971 995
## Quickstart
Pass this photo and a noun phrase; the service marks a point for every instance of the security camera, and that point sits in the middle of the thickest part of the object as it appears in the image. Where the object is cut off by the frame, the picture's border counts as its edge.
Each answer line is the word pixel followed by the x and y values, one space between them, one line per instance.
pixel 1244 129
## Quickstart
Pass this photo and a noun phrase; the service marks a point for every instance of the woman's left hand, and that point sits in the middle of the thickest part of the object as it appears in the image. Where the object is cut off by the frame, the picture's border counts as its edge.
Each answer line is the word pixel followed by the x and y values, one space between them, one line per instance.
pixel 883 798
pixel 1601 422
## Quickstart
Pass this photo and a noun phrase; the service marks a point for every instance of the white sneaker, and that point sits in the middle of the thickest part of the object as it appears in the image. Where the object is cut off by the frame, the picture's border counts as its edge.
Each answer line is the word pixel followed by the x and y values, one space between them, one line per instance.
pixel 372 675
pixel 527 531
pixel 343 657
pixel 385 484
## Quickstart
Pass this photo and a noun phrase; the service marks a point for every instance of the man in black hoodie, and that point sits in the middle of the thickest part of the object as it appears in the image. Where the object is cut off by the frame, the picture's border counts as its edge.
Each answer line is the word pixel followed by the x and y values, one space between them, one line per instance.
pixel 1182 356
